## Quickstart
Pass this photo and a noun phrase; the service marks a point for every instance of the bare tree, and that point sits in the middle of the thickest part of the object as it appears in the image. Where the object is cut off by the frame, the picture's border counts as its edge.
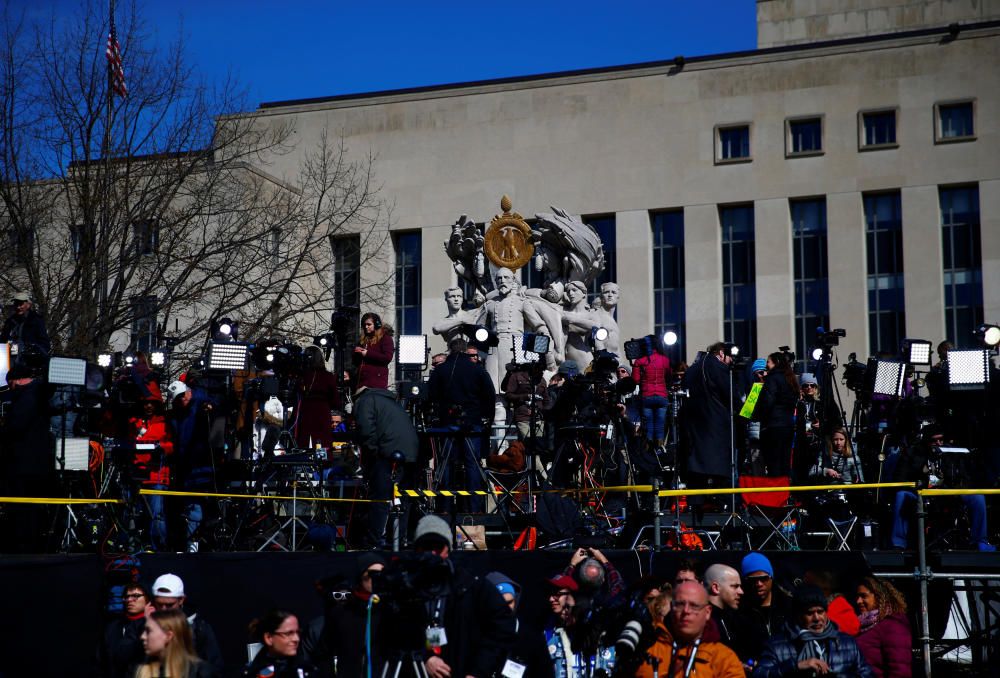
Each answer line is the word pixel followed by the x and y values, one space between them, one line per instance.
pixel 160 206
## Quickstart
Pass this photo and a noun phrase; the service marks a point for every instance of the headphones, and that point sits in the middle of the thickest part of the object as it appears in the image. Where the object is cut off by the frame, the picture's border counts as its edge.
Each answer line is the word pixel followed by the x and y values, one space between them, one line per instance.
pixel 376 321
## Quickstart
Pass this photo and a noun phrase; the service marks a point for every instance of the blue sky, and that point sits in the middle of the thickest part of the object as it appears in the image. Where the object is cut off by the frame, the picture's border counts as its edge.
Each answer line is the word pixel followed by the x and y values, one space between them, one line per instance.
pixel 290 49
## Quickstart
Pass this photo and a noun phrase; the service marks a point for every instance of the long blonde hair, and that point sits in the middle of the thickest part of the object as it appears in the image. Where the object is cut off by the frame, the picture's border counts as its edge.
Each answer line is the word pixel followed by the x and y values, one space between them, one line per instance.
pixel 178 655
pixel 848 448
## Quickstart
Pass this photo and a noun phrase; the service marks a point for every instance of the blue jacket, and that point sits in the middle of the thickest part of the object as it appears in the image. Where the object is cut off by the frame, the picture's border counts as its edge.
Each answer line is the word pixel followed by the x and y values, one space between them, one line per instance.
pixel 781 654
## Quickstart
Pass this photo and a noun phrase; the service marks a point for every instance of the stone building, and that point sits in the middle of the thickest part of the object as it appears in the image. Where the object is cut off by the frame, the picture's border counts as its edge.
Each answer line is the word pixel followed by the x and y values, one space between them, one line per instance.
pixel 844 174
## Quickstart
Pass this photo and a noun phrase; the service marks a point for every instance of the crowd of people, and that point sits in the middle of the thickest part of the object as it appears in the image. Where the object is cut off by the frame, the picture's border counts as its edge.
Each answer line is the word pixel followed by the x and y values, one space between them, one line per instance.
pixel 420 613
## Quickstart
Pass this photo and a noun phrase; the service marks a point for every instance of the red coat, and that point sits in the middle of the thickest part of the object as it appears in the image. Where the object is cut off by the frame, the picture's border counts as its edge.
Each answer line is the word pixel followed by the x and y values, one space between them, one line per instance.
pixel 888 647
pixel 317 396
pixel 843 613
pixel 152 468
pixel 652 372
pixel 373 368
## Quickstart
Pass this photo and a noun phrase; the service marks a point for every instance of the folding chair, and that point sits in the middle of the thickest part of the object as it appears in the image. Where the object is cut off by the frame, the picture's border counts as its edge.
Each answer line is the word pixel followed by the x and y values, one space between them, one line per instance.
pixel 777 509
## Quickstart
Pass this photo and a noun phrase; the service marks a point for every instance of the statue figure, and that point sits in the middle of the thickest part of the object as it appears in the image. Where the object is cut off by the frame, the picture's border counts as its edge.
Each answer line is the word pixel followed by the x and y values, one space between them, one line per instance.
pixel 604 311
pixel 449 326
pixel 579 321
pixel 465 249
pixel 570 250
pixel 511 313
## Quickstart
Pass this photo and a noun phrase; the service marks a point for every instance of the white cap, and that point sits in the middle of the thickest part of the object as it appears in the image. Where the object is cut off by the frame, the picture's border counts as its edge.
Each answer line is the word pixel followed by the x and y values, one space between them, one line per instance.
pixel 176 388
pixel 168 585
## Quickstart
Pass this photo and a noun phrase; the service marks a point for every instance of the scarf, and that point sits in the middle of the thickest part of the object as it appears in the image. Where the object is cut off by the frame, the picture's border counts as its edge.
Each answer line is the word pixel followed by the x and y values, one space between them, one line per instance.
pixel 868 620
pixel 813 644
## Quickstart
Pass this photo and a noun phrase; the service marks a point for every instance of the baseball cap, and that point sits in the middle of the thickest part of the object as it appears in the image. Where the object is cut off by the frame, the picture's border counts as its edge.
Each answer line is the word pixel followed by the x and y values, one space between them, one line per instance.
pixel 20 296
pixel 176 388
pixel 168 586
pixel 563 581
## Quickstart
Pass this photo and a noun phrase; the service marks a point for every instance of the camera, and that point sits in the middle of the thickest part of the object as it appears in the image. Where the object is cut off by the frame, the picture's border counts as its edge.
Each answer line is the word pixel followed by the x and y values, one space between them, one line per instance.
pixel 829 339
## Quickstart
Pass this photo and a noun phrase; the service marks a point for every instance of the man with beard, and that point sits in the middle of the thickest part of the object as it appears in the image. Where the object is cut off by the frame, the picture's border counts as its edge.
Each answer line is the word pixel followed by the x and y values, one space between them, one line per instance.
pixel 810 642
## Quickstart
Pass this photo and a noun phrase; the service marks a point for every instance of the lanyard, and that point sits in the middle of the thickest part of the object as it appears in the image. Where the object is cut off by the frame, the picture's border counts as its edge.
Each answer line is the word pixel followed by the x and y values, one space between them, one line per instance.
pixel 690 663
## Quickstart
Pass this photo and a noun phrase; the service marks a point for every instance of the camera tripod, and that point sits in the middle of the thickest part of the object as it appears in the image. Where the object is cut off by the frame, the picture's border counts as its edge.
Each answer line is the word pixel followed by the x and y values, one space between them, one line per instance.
pixel 403 666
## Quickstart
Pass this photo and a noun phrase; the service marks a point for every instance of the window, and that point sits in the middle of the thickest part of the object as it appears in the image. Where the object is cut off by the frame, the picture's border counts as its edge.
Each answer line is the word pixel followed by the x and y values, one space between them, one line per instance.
pixel 346 270
pixel 272 243
pixel 886 303
pixel 668 279
pixel 955 121
pixel 21 241
pixel 144 323
pixel 146 235
pixel 739 277
pixel 878 129
pixel 963 266
pixel 732 143
pixel 804 136
pixel 408 283
pixel 812 285
pixel 605 227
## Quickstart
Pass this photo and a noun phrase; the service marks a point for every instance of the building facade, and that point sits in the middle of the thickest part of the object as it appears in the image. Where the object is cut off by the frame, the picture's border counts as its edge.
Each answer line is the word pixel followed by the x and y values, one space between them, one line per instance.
pixel 845 174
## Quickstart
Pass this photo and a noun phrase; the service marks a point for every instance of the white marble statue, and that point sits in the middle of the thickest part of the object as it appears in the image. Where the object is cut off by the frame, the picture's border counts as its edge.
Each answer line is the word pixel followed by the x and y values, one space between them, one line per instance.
pixel 578 322
pixel 604 311
pixel 450 326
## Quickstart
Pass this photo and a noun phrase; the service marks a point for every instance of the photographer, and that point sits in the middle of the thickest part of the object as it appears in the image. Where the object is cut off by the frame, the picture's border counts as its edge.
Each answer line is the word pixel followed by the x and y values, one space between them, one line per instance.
pixel 464 395
pixel 318 394
pixel 708 414
pixel 776 413
pixel 456 623
pixel 25 328
pixel 521 385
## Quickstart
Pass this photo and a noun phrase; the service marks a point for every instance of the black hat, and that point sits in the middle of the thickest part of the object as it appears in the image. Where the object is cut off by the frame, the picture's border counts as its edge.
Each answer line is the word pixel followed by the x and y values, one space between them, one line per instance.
pixel 807 597
pixel 366 560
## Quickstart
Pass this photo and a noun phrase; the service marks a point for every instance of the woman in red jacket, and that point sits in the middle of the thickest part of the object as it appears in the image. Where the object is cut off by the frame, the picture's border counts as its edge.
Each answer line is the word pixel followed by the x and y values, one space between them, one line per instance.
pixel 885 639
pixel 653 372
pixel 373 353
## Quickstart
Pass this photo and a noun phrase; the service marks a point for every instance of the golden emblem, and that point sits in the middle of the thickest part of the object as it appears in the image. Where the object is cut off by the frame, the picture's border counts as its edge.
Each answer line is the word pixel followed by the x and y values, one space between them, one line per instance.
pixel 508 238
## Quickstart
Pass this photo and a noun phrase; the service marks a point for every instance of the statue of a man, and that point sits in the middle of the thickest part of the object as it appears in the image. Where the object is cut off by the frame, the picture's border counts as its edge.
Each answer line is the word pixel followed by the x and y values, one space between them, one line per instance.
pixel 509 314
pixel 578 321
pixel 604 311
pixel 449 326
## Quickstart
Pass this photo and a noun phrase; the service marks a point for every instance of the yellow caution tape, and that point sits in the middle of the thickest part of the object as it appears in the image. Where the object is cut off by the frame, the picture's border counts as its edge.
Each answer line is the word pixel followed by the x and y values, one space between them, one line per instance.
pixel 799 488
pixel 955 493
pixel 173 493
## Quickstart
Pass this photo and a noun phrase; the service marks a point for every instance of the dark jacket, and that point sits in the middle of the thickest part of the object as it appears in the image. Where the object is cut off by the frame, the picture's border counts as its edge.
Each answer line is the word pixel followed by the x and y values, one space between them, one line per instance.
pixel 373 367
pixel 384 426
pixel 206 646
pixel 518 387
pixel 279 667
pixel 738 633
pixel 121 648
pixel 887 646
pixel 707 414
pixel 317 396
pixel 459 385
pixel 200 670
pixel 29 331
pixel 766 621
pixel 840 652
pixel 776 406
pixel 339 636
pixel 27 445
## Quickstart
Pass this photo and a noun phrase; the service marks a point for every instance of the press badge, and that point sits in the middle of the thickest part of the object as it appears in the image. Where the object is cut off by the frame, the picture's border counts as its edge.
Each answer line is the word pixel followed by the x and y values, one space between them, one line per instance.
pixel 436 637
pixel 512 670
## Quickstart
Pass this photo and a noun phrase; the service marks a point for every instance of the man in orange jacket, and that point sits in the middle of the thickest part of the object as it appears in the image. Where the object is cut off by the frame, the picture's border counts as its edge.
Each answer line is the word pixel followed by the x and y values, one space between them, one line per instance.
pixel 684 652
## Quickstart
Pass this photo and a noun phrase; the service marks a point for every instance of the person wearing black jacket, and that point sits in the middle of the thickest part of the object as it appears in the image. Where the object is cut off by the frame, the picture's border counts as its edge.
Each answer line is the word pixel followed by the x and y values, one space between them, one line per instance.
pixel 707 416
pixel 529 656
pixel 168 594
pixel 27 461
pixel 279 635
pixel 26 327
pixel 776 413
pixel 121 647
pixel 465 398
pixel 459 627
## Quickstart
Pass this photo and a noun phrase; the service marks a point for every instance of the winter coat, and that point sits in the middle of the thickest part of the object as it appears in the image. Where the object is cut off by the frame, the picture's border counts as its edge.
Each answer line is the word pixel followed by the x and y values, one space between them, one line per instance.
pixel 29 330
pixel 887 646
pixel 373 367
pixel 121 647
pixel 460 383
pixel 278 667
pixel 707 414
pixel 653 372
pixel 842 613
pixel 384 426
pixel 776 406
pixel 712 659
pixel 781 656
pixel 27 446
pixel 317 396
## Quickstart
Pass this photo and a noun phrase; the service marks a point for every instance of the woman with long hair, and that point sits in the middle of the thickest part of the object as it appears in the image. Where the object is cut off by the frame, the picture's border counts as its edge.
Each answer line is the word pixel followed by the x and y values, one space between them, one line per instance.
pixel 279 634
pixel 317 396
pixel 169 648
pixel 837 464
pixel 374 352
pixel 776 413
pixel 885 638
pixel 653 372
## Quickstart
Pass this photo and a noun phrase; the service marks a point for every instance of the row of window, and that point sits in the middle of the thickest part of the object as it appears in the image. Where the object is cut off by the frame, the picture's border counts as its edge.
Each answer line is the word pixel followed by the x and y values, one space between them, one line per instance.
pixel 953 121
pixel 962 266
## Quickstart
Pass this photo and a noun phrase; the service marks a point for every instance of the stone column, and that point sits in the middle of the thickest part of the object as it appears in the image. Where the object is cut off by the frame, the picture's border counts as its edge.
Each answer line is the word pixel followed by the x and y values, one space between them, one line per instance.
pixel 634 241
pixel 774 264
pixel 702 277
pixel 436 275
pixel 989 210
pixel 923 279
pixel 848 270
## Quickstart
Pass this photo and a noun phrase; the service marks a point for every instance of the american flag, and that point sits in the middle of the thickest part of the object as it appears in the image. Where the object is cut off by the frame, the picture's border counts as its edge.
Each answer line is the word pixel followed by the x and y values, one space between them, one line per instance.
pixel 115 70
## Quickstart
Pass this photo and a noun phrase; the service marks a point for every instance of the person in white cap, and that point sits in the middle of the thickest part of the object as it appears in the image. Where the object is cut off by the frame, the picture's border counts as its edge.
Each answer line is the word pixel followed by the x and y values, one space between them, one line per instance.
pixel 168 594
pixel 25 326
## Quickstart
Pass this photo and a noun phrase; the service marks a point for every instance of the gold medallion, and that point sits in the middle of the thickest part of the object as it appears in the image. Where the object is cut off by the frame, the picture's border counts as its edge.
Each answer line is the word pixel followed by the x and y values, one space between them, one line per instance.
pixel 508 239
